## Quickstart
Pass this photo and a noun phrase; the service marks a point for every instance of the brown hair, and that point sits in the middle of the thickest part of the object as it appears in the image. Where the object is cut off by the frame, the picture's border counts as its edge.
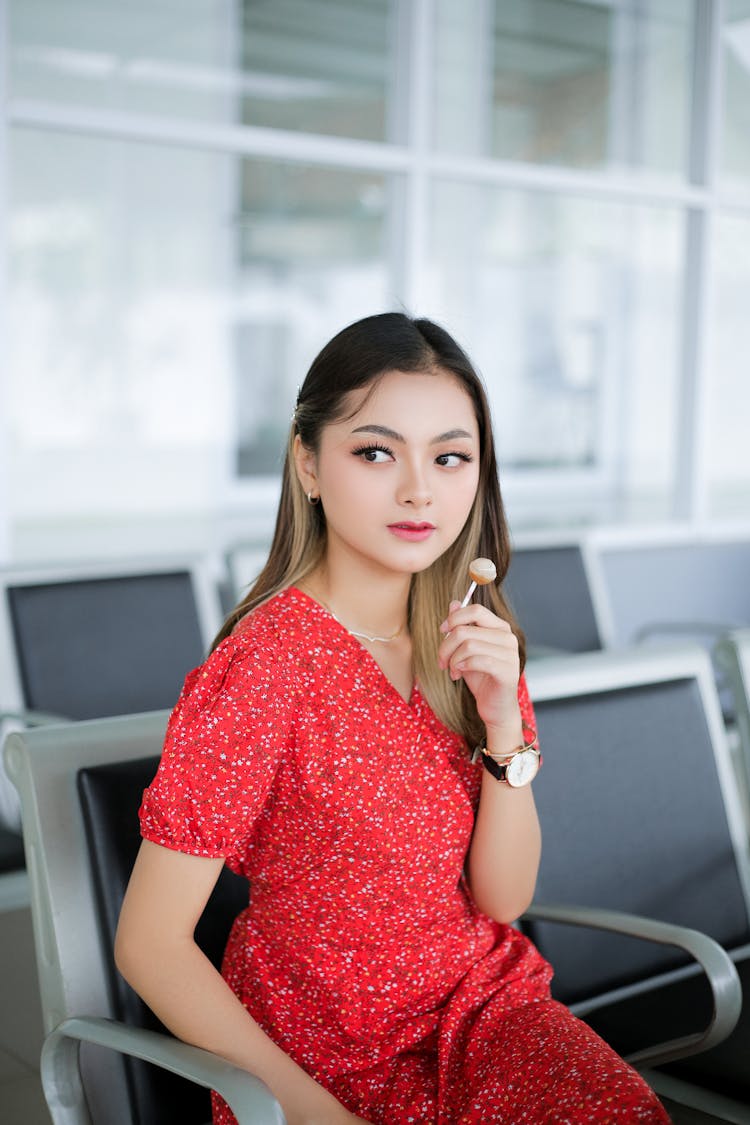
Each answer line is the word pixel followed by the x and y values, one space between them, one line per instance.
pixel 357 357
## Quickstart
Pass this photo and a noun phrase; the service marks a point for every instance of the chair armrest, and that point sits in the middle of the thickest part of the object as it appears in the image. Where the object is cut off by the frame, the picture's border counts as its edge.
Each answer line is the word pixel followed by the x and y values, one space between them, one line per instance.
pixel 716 963
pixel 33 718
pixel 543 652
pixel 715 629
pixel 250 1099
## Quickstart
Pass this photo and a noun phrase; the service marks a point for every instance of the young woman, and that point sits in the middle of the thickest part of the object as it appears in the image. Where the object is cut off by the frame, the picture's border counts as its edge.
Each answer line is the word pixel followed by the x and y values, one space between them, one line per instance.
pixel 324 750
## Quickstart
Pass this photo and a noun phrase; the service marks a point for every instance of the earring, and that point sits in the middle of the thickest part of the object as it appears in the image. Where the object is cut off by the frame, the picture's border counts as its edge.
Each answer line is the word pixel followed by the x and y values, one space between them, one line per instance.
pixel 312 499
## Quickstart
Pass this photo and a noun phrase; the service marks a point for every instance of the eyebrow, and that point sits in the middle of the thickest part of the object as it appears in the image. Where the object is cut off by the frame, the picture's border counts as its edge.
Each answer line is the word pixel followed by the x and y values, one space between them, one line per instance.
pixel 384 431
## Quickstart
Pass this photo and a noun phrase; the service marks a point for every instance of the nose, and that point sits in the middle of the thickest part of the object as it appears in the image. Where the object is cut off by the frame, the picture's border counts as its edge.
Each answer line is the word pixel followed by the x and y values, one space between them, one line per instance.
pixel 414 489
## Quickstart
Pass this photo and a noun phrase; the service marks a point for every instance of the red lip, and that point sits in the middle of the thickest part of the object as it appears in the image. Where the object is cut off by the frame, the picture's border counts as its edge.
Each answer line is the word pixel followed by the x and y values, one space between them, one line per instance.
pixel 411 531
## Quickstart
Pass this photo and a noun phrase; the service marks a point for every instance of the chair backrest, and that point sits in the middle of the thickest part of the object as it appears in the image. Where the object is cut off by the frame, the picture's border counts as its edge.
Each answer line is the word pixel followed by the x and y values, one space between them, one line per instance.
pixel 88 642
pixel 672 578
pixel 244 562
pixel 733 657
pixel 110 796
pixel 550 590
pixel 639 808
pixel 80 786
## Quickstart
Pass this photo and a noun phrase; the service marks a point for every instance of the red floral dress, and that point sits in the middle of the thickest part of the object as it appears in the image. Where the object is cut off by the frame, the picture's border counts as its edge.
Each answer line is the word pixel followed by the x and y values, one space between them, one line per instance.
pixel 361 953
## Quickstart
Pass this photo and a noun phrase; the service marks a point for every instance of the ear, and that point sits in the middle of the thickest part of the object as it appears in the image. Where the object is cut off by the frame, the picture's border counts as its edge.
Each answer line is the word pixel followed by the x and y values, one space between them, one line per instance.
pixel 305 462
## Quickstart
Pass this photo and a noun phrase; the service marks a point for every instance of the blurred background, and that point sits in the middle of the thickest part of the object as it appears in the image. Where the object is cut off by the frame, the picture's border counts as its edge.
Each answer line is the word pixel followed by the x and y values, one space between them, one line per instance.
pixel 196 195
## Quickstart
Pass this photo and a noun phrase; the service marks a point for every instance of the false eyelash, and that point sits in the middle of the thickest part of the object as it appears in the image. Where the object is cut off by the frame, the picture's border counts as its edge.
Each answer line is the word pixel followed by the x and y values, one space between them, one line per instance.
pixel 376 446
pixel 372 447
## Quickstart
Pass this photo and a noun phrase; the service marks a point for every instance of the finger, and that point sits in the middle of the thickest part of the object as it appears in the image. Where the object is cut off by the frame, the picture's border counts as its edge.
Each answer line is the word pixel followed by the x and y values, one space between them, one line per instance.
pixel 501 666
pixel 466 638
pixel 473 614
pixel 502 662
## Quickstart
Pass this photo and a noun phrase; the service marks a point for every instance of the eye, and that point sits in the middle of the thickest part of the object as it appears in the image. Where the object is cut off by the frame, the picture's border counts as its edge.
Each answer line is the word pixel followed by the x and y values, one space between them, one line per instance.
pixel 453 460
pixel 374 454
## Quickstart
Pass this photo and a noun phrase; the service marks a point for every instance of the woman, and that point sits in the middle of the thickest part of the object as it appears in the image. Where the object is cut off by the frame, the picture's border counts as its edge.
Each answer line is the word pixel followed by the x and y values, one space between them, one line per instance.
pixel 325 751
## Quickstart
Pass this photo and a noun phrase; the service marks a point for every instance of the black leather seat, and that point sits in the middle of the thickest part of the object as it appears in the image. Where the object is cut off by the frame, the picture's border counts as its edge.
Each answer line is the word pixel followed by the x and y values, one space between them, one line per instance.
pixel 110 796
pixel 640 811
pixel 11 850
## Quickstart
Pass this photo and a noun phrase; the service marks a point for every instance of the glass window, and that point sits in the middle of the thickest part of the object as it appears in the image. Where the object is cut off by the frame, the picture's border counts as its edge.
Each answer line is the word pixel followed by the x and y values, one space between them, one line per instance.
pixel 582 83
pixel 312 255
pixel 735 140
pixel 728 347
pixel 312 65
pixel 572 309
pixel 164 305
pixel 320 66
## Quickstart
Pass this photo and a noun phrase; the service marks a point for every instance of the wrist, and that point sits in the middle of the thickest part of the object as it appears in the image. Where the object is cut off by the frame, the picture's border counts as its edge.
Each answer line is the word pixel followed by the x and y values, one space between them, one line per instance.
pixel 515 767
pixel 504 741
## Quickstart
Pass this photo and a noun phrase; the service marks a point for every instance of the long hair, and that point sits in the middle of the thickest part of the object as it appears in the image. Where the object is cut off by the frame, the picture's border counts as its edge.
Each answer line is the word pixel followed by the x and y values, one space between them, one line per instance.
pixel 357 357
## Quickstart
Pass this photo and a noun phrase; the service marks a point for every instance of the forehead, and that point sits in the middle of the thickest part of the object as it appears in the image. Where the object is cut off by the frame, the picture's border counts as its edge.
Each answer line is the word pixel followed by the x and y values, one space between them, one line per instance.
pixel 413 397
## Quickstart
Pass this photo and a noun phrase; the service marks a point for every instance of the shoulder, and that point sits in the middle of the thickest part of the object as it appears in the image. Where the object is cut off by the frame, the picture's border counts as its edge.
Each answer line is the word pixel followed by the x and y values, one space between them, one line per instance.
pixel 283 617
pixel 293 631
pixel 275 647
pixel 246 667
pixel 248 682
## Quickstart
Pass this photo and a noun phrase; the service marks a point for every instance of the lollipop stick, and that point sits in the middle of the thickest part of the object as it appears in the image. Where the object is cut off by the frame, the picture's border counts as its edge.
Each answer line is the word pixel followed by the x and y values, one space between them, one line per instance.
pixel 469 592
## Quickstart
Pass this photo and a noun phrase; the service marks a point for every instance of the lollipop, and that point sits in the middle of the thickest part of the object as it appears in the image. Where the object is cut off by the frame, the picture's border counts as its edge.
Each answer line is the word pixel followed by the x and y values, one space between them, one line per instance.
pixel 481 573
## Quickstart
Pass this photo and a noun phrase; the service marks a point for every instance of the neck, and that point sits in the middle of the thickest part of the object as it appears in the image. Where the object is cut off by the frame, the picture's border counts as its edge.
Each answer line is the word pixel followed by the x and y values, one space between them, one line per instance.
pixel 372 610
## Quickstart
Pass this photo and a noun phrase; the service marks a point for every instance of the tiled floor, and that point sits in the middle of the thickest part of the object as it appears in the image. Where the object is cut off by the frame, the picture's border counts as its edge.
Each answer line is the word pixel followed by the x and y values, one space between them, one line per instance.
pixel 21 1099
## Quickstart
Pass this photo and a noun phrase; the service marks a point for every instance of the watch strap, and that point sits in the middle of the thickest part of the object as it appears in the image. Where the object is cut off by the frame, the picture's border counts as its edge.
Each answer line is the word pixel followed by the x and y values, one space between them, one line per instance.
pixel 529 743
pixel 499 770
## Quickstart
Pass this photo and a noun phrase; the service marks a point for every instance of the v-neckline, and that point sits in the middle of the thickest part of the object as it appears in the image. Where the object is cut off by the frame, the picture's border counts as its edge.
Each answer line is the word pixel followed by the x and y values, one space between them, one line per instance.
pixel 411 701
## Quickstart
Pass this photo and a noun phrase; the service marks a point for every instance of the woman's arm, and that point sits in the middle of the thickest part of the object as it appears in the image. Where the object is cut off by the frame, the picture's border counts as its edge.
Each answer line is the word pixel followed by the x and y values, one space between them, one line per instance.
pixel 505 849
pixel 156 953
pixel 503 858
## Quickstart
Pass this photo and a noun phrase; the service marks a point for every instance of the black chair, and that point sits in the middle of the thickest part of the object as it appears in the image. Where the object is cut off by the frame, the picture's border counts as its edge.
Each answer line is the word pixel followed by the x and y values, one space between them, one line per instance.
pixel 244 562
pixel 80 787
pixel 669 586
pixel 14 887
pixel 80 784
pixel 110 796
pixel 550 590
pixel 732 656
pixel 117 639
pixel 640 812
pixel 85 642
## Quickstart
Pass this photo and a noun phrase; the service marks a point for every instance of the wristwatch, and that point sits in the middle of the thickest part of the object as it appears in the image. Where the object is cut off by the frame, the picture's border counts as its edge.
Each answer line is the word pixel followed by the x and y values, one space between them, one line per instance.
pixel 518 770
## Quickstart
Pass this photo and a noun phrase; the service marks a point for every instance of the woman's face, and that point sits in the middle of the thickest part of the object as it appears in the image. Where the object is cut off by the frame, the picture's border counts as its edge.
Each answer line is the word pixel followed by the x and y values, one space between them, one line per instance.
pixel 397 479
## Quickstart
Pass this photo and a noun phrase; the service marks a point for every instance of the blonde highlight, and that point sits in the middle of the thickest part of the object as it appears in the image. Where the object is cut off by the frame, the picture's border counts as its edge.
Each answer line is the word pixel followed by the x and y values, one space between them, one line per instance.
pixel 356 358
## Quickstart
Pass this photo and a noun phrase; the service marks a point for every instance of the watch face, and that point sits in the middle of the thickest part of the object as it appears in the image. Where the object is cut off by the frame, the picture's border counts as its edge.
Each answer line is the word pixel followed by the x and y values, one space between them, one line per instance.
pixel 523 768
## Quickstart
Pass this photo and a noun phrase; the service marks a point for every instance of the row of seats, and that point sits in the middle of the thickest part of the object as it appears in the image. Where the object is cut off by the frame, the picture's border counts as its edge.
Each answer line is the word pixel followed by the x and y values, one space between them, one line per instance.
pixel 642 906
pixel 608 589
pixel 605 589
pixel 93 640
pixel 638 783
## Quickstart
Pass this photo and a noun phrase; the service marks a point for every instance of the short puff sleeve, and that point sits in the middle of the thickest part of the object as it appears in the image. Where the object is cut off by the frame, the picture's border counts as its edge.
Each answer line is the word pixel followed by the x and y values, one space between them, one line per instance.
pixel 225 738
